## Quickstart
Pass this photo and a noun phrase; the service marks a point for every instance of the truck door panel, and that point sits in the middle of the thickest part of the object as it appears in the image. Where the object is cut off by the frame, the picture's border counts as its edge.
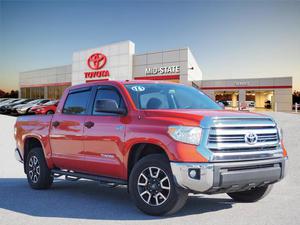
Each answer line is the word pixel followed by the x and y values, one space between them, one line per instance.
pixel 104 141
pixel 66 132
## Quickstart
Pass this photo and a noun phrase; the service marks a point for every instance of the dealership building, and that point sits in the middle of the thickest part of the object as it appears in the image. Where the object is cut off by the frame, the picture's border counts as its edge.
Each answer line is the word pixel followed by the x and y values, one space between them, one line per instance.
pixel 118 61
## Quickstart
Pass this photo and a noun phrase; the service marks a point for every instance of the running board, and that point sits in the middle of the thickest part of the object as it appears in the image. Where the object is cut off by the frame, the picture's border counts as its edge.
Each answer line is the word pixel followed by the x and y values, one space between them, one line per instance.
pixel 88 176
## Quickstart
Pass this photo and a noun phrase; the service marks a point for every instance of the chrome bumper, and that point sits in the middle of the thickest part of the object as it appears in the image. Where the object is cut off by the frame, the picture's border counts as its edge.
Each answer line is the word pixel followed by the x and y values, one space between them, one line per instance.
pixel 18 155
pixel 228 176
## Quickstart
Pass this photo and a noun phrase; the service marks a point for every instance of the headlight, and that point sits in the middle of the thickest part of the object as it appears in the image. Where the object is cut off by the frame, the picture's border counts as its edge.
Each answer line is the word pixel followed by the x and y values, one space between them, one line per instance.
pixel 189 135
pixel 280 133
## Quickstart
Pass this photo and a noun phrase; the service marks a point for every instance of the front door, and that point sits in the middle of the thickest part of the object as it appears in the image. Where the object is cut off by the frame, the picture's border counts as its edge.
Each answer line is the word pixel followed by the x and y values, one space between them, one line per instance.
pixel 104 136
pixel 66 132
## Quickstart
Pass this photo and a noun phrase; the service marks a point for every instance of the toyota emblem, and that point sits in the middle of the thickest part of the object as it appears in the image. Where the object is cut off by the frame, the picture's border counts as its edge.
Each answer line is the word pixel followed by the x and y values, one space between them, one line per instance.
pixel 96 61
pixel 251 138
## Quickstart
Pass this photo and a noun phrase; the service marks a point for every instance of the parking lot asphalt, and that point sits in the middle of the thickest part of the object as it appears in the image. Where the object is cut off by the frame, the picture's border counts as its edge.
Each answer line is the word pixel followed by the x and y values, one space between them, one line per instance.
pixel 86 202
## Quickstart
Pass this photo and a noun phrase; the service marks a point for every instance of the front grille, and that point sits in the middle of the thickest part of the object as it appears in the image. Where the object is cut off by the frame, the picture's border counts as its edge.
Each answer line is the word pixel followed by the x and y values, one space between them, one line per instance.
pixel 240 138
pixel 230 135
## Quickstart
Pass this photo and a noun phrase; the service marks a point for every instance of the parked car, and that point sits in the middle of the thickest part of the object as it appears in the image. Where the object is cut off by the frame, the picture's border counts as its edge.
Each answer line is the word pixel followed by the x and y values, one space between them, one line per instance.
pixel 14 108
pixel 3 99
pixel 8 102
pixel 3 107
pixel 47 108
pixel 25 109
pixel 10 108
pixel 162 140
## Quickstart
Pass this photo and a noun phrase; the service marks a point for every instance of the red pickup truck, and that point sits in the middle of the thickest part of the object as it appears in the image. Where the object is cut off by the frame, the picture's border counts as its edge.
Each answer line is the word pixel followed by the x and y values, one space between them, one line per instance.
pixel 162 140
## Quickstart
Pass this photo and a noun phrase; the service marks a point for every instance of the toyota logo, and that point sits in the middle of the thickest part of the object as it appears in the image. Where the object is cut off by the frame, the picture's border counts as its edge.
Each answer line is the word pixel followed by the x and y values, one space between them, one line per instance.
pixel 96 61
pixel 251 138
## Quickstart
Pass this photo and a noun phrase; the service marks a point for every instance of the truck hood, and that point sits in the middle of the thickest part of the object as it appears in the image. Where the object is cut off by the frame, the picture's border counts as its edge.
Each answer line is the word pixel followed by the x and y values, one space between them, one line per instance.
pixel 197 115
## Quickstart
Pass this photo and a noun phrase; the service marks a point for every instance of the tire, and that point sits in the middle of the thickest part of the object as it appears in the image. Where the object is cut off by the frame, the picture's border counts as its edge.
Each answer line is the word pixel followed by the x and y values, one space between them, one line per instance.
pixel 27 111
pixel 50 112
pixel 152 187
pixel 38 178
pixel 252 195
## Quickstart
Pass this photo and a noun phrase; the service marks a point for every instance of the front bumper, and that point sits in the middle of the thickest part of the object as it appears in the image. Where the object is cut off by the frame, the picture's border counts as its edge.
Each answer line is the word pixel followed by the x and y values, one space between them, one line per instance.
pixel 22 112
pixel 228 176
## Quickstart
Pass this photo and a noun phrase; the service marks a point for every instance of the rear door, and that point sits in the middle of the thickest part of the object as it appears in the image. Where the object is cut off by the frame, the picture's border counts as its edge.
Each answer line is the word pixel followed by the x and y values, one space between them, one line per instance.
pixel 104 136
pixel 66 134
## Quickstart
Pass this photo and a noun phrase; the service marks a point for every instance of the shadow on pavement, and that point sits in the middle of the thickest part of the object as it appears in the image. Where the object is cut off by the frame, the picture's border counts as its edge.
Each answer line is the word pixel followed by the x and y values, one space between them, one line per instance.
pixel 87 200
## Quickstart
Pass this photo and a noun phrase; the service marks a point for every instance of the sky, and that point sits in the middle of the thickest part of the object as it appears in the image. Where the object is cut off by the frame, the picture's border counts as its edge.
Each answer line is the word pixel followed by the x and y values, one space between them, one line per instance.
pixel 230 39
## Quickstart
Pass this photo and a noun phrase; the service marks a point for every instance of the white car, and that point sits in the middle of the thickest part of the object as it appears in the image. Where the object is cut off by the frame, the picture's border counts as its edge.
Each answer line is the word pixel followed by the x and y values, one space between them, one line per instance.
pixel 24 109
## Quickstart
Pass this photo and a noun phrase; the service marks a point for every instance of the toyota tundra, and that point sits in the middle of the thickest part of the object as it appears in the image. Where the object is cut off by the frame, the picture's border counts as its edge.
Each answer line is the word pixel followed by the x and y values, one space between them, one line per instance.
pixel 162 140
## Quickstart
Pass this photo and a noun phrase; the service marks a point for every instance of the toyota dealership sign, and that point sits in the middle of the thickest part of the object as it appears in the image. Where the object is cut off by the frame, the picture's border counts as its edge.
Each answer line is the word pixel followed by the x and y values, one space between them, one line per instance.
pixel 96 62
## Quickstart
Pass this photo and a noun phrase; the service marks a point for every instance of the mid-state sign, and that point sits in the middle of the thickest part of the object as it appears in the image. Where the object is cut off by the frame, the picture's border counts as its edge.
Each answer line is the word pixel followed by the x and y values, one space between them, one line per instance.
pixel 96 62
pixel 162 70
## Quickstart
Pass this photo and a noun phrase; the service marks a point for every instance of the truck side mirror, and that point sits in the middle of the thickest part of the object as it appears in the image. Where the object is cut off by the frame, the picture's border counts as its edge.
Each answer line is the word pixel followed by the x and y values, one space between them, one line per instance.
pixel 108 106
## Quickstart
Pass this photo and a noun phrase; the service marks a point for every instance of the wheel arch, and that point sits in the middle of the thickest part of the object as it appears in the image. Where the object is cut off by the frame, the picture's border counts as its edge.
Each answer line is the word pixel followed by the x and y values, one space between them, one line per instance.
pixel 50 110
pixel 30 143
pixel 140 150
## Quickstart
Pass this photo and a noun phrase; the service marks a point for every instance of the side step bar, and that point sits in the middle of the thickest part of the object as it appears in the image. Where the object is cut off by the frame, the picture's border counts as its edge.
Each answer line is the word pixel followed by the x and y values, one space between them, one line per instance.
pixel 88 176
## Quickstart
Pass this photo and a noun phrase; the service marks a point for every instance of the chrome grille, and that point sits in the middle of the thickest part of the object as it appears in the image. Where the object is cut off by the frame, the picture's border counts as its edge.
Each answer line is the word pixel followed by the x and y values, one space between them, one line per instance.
pixel 240 138
pixel 229 135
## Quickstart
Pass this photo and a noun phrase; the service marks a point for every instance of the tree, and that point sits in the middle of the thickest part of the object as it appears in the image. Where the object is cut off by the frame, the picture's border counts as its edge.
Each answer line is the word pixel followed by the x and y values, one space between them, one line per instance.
pixel 296 97
pixel 11 94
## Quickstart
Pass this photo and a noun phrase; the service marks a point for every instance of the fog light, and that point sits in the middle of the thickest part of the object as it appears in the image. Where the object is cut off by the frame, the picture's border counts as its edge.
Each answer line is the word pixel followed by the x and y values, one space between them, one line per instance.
pixel 194 173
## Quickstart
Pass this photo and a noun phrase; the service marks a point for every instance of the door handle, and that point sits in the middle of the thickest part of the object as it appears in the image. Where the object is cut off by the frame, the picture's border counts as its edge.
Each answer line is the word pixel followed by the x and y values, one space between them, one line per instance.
pixel 55 123
pixel 89 124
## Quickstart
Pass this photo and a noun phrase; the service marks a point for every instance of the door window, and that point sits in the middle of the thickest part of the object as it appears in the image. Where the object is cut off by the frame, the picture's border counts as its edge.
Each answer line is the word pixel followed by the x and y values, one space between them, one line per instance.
pixel 77 103
pixel 111 94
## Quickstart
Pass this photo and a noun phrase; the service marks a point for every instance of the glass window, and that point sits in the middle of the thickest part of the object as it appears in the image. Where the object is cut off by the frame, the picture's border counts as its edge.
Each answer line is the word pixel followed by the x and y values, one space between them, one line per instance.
pixel 37 92
pixel 44 101
pixel 77 102
pixel 25 93
pixel 108 93
pixel 55 92
pixel 146 98
pixel 169 96
pixel 54 102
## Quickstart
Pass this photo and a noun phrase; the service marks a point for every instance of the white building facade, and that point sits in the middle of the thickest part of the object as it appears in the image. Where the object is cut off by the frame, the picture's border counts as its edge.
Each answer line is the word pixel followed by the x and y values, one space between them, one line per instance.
pixel 118 61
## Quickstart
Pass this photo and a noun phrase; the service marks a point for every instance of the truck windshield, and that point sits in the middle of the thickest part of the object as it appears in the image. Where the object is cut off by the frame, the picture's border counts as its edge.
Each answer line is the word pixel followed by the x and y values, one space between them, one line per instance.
pixel 169 96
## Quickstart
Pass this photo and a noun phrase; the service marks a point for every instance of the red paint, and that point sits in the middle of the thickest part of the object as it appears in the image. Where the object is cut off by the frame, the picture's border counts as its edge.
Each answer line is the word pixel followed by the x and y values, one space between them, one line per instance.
pixel 96 61
pixel 246 87
pixel 162 77
pixel 104 149
pixel 47 85
pixel 89 81
pixel 66 141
